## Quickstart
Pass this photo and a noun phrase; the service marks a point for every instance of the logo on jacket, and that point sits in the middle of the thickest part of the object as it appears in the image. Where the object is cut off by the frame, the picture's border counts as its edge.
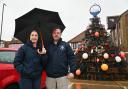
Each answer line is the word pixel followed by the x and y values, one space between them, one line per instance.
pixel 62 47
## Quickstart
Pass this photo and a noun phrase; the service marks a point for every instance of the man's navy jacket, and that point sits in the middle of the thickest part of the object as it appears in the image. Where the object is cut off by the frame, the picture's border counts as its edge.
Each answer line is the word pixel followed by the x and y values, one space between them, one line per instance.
pixel 61 58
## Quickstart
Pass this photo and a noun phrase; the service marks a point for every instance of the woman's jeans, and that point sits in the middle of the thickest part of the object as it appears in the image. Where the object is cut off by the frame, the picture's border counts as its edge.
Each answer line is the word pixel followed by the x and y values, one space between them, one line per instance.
pixel 30 83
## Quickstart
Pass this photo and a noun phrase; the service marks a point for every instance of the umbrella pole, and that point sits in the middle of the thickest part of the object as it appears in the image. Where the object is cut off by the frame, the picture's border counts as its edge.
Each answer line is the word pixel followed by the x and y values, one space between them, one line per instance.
pixel 42 42
pixel 43 51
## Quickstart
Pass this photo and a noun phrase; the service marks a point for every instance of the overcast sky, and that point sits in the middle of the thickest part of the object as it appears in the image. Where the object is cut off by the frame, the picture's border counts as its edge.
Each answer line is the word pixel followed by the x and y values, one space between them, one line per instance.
pixel 74 13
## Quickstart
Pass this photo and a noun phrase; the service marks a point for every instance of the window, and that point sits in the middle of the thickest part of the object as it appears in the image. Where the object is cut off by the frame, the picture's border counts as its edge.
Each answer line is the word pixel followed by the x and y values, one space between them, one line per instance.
pixel 7 56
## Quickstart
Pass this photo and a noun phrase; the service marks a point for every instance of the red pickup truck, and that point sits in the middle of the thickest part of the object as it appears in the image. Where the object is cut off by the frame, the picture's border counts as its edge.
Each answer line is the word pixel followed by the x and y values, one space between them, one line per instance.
pixel 9 77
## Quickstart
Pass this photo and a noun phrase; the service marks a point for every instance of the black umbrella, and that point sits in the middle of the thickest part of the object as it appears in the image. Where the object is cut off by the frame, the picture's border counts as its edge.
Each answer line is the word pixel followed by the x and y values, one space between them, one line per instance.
pixel 43 19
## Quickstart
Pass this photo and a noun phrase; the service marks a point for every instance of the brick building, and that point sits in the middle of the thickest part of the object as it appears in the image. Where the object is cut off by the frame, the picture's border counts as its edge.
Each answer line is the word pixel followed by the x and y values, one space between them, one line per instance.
pixel 14 43
pixel 74 42
pixel 119 30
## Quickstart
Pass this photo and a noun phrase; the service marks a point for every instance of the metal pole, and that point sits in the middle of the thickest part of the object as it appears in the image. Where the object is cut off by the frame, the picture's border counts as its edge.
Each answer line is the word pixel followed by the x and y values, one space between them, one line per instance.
pixel 2 21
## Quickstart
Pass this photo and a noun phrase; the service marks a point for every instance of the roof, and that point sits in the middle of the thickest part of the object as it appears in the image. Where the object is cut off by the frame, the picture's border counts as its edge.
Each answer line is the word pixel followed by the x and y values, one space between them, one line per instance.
pixel 14 41
pixel 122 15
pixel 7 49
pixel 78 38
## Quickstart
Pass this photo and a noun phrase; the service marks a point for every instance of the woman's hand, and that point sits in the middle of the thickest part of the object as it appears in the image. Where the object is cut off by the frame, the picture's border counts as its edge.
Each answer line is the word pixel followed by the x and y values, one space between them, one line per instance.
pixel 42 52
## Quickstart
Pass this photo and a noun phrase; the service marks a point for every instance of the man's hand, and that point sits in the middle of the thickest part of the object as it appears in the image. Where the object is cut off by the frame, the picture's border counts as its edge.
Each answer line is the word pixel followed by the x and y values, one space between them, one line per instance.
pixel 70 75
pixel 42 52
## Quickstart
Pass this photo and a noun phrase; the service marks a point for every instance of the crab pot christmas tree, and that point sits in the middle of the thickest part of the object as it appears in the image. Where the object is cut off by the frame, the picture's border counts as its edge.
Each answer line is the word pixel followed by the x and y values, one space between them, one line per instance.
pixel 98 57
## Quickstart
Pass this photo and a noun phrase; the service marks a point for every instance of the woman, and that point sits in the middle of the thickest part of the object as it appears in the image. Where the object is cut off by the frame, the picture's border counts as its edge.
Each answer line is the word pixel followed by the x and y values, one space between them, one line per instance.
pixel 29 62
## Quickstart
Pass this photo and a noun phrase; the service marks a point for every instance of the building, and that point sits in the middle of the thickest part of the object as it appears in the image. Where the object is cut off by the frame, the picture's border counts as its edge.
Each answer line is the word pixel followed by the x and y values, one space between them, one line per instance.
pixel 2 43
pixel 119 30
pixel 74 42
pixel 112 26
pixel 14 43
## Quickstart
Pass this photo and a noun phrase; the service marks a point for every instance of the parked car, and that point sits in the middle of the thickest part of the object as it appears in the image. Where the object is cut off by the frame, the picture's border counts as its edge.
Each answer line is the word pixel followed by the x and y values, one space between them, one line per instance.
pixel 9 77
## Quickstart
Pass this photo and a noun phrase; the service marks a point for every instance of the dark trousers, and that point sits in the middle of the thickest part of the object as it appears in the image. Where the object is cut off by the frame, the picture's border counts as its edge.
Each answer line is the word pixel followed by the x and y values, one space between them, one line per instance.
pixel 28 83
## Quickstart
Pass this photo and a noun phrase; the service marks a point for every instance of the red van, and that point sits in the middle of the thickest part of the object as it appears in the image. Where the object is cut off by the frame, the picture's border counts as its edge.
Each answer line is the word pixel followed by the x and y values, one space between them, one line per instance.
pixel 9 77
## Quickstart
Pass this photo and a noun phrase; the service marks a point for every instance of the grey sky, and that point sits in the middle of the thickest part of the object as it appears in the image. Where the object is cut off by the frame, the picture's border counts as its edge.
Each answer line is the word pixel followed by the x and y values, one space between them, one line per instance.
pixel 74 13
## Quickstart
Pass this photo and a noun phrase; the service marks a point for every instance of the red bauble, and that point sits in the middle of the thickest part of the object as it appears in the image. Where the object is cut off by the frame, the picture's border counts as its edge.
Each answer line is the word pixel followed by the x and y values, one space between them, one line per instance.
pixel 112 55
pixel 78 72
pixel 97 60
pixel 122 54
pixel 93 47
pixel 77 50
pixel 97 34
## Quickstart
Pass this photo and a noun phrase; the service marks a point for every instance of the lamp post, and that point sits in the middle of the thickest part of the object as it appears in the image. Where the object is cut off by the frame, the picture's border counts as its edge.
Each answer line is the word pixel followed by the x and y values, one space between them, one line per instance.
pixel 2 21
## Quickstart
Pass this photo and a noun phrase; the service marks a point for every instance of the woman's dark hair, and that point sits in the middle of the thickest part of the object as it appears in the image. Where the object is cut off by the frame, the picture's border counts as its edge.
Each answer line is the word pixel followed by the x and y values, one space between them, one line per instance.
pixel 31 32
pixel 39 43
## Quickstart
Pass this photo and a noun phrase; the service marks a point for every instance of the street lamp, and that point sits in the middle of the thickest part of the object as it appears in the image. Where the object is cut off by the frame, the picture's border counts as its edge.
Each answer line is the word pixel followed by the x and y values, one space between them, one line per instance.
pixel 2 21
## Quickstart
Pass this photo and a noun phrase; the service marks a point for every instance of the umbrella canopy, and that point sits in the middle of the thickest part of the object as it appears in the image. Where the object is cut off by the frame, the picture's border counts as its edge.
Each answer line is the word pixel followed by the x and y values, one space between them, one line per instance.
pixel 43 19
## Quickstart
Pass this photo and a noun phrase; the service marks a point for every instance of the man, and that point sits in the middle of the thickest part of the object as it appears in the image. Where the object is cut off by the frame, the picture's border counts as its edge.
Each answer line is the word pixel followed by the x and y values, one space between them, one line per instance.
pixel 60 59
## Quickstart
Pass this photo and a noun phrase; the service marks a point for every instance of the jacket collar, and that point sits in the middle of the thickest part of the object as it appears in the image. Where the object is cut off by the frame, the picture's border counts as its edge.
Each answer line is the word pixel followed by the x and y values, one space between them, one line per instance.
pixel 59 41
pixel 29 43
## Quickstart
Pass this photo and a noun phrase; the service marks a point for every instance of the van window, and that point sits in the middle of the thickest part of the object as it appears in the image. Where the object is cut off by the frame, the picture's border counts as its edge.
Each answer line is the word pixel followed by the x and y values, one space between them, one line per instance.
pixel 7 56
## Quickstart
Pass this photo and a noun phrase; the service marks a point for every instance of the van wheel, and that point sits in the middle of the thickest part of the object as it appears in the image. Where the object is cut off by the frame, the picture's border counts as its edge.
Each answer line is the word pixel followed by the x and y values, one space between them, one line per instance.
pixel 13 86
